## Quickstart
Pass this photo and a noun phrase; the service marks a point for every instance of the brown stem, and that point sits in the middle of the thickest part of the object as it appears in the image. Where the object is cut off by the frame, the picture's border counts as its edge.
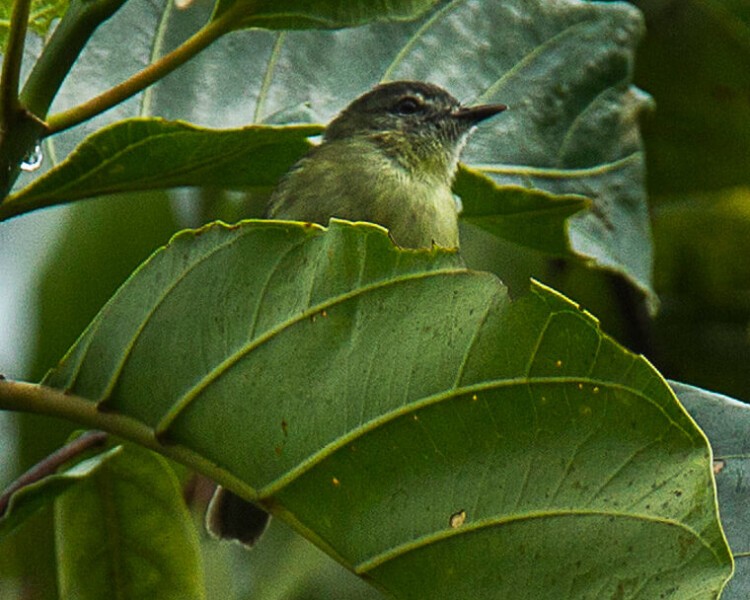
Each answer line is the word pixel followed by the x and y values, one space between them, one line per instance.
pixel 51 463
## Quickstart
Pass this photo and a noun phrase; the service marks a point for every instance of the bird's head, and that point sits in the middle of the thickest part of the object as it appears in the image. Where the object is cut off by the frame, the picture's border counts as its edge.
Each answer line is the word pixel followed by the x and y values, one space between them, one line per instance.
pixel 418 124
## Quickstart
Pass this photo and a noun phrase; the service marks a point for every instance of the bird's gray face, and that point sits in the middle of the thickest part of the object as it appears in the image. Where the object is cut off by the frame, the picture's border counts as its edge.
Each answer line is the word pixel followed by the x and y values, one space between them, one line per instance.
pixel 410 108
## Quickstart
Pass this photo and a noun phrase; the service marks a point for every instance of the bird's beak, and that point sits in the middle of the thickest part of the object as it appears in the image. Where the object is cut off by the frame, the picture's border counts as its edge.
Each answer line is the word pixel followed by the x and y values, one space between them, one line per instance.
pixel 475 114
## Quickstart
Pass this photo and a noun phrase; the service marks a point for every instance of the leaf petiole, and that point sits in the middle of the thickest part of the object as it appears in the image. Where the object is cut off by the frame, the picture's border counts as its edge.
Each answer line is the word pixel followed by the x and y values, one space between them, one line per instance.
pixel 51 463
pixel 34 398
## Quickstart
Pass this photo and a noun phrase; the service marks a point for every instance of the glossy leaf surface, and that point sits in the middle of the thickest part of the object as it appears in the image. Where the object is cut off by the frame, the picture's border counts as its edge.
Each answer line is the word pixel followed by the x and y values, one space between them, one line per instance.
pixel 317 14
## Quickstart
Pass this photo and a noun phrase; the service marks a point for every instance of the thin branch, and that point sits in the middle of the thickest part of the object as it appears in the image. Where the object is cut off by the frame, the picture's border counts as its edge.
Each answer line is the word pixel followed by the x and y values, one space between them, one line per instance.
pixel 143 79
pixel 51 463
pixel 20 396
pixel 11 76
pixel 28 397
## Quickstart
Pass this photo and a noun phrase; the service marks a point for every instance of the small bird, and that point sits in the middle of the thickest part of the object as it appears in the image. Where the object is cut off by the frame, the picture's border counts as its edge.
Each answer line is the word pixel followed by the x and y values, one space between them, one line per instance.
pixel 388 158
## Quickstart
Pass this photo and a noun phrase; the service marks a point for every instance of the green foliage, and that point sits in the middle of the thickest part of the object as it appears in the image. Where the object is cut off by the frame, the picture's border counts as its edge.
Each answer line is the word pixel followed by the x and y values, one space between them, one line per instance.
pixel 41 15
pixel 702 281
pixel 698 140
pixel 528 217
pixel 394 407
pixel 330 14
pixel 126 528
pixel 592 150
pixel 462 428
pixel 95 247
pixel 179 154
pixel 695 61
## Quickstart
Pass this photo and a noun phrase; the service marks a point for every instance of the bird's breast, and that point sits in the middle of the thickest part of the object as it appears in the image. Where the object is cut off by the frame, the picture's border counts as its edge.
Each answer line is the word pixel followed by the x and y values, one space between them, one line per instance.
pixel 356 181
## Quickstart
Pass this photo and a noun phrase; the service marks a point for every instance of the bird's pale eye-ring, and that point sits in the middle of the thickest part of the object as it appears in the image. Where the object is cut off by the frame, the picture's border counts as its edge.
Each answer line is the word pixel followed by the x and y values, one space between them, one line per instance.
pixel 409 105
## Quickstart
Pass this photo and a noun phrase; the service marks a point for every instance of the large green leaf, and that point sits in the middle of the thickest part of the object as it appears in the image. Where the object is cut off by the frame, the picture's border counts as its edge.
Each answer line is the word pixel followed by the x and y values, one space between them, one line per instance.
pixel 564 68
pixel 399 410
pixel 695 60
pixel 726 422
pixel 145 154
pixel 125 532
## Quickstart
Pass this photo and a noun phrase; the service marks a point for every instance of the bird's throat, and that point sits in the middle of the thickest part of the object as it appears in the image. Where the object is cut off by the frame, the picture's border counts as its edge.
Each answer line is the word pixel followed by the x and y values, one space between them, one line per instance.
pixel 422 157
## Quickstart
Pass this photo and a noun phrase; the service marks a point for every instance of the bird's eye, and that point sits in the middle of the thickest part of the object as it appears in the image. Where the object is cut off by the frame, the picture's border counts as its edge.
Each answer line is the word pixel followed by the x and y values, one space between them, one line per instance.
pixel 409 105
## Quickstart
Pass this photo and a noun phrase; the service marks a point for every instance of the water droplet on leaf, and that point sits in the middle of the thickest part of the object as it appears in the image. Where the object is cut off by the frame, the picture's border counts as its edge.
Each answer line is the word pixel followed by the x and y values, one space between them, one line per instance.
pixel 33 160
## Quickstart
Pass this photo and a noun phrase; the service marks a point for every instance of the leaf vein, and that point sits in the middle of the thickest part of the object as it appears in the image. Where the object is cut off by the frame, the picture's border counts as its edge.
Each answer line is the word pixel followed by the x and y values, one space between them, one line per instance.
pixel 191 394
pixel 439 536
pixel 385 419
pixel 128 348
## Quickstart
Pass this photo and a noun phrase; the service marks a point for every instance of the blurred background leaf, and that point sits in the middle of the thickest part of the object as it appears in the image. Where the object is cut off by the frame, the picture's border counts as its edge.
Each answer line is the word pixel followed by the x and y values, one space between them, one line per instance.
pixel 695 61
pixel 30 498
pixel 284 566
pixel 702 334
pixel 42 13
